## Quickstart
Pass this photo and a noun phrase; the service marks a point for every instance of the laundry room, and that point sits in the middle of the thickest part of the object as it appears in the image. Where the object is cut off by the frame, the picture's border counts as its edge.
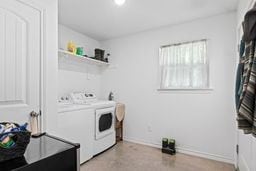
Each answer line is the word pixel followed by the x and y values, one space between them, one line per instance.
pixel 127 85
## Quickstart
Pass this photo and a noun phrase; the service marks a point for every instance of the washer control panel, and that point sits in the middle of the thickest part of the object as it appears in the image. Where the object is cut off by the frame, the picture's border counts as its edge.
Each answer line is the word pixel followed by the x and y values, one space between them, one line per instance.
pixel 83 97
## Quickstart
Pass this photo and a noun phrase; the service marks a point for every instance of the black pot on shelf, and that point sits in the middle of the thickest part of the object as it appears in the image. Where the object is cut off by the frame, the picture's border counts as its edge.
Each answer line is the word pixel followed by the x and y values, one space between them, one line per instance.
pixel 99 54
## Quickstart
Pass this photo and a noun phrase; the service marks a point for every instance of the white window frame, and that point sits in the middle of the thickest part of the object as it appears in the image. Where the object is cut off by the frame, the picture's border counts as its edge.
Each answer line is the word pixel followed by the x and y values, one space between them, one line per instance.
pixel 205 89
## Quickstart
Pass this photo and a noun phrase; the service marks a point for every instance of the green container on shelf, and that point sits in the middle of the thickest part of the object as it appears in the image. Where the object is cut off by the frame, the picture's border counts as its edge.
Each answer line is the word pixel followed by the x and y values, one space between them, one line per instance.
pixel 79 51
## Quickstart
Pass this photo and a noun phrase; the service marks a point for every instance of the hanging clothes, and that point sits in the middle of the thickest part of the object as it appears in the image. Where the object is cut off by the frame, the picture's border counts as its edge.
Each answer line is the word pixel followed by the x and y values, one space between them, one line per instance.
pixel 247 104
pixel 249 25
pixel 239 74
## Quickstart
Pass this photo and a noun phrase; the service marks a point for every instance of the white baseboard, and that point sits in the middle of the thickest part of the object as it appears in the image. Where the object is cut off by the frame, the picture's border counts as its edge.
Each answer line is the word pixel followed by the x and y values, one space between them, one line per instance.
pixel 185 151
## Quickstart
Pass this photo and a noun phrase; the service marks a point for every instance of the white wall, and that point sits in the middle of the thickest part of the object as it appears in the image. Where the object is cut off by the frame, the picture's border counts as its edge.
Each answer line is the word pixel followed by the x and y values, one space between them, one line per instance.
pixel 71 81
pixel 75 76
pixel 66 34
pixel 203 123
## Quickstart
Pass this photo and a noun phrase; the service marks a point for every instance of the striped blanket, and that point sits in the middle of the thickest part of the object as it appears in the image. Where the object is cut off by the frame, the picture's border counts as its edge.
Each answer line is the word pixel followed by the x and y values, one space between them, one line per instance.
pixel 247 107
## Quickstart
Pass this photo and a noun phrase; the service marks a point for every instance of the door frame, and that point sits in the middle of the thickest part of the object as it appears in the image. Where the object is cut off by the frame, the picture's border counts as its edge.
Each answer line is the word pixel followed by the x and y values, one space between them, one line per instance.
pixel 237 130
pixel 41 10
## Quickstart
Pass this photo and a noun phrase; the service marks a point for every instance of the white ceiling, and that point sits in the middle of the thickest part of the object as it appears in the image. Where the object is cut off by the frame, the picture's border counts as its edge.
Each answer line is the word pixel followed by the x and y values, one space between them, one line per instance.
pixel 103 19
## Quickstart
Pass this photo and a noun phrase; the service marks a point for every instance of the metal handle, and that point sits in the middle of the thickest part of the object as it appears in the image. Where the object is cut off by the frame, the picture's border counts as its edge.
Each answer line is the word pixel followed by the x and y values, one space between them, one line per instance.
pixel 34 114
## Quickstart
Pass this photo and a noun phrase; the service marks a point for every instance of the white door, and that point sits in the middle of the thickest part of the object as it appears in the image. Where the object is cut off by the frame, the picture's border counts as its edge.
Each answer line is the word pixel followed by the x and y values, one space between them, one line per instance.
pixel 247 143
pixel 245 155
pixel 19 60
pixel 244 141
pixel 254 154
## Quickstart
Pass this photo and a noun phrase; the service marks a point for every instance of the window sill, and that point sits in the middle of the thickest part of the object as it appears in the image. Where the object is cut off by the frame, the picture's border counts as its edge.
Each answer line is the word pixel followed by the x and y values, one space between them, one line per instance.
pixel 186 90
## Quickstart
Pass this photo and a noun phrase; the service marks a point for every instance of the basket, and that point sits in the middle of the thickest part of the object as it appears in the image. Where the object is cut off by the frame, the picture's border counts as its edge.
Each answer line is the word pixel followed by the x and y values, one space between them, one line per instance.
pixel 21 140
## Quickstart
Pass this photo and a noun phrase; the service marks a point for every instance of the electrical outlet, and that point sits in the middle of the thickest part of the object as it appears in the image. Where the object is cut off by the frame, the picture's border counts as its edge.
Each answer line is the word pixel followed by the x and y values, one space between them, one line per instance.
pixel 88 76
pixel 149 128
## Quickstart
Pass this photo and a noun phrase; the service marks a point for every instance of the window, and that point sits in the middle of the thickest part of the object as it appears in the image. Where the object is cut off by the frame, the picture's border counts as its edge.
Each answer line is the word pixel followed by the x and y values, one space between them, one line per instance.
pixel 184 66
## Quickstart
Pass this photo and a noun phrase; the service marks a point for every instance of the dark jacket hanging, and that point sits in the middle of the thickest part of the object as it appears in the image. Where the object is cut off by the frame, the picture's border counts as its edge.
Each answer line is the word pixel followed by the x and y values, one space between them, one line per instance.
pixel 249 25
pixel 247 103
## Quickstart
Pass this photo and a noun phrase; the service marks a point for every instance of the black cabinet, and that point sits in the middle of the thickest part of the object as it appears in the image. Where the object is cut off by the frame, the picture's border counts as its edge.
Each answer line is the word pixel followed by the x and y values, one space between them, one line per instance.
pixel 46 153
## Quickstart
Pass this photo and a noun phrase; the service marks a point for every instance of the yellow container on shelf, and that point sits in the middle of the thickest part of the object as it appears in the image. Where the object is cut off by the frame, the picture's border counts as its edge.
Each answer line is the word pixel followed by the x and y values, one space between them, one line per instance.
pixel 71 47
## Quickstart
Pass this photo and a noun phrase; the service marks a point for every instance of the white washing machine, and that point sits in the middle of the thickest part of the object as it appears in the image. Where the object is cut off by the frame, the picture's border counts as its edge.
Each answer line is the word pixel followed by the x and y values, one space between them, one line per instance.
pixel 104 120
pixel 75 123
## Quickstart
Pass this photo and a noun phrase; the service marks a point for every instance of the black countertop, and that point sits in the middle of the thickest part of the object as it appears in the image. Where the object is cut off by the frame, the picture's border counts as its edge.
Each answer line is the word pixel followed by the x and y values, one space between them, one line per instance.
pixel 39 149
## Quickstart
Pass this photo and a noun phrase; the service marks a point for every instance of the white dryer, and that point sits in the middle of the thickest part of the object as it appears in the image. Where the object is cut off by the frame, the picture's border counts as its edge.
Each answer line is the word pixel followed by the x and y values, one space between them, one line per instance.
pixel 105 134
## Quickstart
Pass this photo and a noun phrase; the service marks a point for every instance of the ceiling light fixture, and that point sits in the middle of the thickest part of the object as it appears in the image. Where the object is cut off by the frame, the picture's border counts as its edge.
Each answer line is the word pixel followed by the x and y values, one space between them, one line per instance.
pixel 119 2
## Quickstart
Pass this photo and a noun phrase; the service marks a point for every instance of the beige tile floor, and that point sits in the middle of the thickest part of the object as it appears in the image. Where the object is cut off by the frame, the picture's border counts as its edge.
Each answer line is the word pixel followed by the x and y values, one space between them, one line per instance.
pixel 126 156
